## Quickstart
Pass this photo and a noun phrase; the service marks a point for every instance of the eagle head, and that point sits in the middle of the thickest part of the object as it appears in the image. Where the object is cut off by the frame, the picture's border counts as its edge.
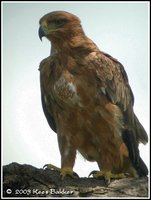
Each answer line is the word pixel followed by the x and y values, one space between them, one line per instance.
pixel 55 24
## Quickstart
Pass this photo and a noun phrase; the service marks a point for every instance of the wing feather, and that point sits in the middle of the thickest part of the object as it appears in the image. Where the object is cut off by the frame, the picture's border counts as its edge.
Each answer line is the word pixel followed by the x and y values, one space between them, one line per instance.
pixel 48 116
pixel 121 91
pixel 45 72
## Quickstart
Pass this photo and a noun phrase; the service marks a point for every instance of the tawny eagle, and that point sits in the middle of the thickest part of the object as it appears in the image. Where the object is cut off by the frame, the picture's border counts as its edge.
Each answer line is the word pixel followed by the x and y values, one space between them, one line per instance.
pixel 88 102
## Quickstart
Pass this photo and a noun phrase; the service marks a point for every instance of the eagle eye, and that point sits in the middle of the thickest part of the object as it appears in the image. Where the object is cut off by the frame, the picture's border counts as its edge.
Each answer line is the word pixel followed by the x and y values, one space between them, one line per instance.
pixel 60 22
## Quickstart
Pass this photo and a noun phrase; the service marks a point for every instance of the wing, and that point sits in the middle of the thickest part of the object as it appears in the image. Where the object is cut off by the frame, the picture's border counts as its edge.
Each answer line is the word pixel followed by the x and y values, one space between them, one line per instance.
pixel 119 92
pixel 45 82
pixel 114 81
pixel 114 84
pixel 48 116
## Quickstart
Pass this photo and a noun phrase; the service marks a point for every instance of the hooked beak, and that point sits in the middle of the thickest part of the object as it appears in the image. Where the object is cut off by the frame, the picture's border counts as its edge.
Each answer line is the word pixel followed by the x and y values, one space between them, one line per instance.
pixel 41 33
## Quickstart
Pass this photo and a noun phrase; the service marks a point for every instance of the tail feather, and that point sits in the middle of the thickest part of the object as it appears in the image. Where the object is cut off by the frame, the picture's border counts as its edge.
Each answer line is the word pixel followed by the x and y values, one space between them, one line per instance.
pixel 134 156
pixel 142 169
pixel 140 131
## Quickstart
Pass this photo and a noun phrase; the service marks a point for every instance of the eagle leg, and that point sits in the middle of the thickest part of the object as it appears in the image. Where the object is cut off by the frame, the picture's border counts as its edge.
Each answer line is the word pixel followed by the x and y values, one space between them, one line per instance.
pixel 65 171
pixel 107 175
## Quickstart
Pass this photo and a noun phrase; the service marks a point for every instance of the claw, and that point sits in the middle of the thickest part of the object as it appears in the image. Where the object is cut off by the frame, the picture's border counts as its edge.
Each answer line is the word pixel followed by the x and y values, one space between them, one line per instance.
pixel 107 175
pixel 51 167
pixel 93 173
pixel 65 171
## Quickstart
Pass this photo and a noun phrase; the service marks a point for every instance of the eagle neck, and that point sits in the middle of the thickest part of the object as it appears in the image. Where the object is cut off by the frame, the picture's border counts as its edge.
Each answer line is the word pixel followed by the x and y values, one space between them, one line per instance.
pixel 78 43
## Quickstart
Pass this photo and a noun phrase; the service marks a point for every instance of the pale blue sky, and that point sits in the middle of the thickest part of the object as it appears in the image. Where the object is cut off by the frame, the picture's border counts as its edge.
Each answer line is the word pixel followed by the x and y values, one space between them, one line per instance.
pixel 120 29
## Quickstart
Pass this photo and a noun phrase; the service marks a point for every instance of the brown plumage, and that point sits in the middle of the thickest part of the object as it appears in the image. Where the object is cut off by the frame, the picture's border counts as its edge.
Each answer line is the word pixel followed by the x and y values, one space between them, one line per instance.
pixel 87 100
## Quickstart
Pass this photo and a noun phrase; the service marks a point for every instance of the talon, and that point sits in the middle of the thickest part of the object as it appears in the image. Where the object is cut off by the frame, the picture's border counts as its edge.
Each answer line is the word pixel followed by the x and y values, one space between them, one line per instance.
pixel 67 171
pixel 93 173
pixel 100 174
pixel 107 175
pixel 51 167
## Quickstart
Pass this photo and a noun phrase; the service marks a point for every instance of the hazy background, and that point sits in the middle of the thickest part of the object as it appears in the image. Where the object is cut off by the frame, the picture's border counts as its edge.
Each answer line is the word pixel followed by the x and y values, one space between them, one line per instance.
pixel 120 29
